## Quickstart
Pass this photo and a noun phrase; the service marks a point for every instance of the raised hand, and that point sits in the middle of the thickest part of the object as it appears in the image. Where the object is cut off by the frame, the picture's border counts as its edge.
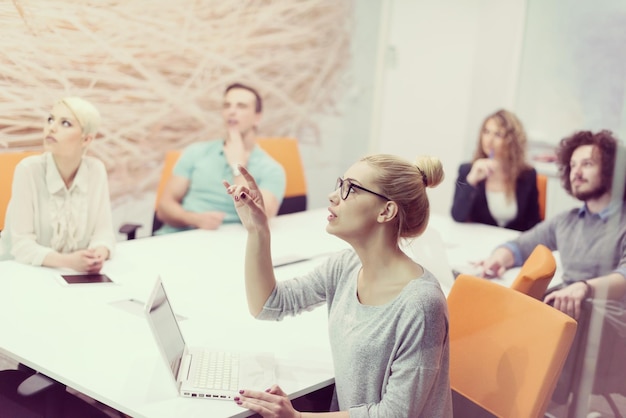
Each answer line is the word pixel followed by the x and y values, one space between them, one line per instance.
pixel 248 201
pixel 273 403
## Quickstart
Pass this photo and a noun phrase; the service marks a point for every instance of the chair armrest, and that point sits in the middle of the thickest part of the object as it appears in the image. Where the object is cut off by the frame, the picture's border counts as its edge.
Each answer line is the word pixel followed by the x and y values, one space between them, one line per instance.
pixel 35 384
pixel 130 230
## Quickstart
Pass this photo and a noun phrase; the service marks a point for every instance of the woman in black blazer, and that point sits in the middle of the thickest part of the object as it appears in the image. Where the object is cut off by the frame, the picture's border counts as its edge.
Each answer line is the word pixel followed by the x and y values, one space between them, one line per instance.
pixel 498 187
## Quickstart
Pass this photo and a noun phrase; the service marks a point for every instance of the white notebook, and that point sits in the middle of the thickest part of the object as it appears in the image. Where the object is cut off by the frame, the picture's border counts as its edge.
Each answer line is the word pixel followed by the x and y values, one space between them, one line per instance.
pixel 201 372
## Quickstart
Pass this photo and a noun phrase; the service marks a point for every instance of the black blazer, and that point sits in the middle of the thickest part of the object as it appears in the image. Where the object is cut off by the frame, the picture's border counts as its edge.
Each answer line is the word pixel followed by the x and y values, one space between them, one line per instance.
pixel 470 203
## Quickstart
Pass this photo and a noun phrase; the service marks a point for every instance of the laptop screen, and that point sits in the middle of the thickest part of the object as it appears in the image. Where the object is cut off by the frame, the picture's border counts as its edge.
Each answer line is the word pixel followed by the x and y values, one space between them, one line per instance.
pixel 165 327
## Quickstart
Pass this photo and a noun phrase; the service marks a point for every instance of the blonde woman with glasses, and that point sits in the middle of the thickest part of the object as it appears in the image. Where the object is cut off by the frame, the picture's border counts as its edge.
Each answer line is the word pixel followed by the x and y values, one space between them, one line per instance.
pixel 388 320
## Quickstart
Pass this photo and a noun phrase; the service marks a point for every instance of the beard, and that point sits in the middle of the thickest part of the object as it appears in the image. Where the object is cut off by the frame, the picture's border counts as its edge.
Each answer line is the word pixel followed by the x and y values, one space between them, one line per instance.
pixel 584 195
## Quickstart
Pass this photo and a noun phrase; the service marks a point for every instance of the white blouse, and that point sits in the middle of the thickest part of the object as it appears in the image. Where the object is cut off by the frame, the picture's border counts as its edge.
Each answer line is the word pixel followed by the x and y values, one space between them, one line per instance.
pixel 44 215
pixel 502 210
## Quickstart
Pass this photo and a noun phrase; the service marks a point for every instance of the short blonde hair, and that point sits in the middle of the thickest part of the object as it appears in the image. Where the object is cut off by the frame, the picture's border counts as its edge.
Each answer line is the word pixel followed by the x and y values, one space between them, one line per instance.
pixel 86 114
pixel 405 183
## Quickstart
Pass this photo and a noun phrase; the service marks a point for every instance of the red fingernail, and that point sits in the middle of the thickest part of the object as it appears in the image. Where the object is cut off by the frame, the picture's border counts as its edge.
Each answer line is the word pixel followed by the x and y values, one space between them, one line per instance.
pixel 243 195
pixel 241 392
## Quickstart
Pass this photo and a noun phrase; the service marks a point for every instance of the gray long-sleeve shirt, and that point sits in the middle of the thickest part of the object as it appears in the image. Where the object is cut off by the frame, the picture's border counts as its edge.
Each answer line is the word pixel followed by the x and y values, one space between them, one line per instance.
pixel 590 245
pixel 390 360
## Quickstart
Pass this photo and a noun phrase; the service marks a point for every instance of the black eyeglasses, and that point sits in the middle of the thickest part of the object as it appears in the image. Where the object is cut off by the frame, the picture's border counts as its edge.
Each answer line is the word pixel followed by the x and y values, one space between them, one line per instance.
pixel 346 186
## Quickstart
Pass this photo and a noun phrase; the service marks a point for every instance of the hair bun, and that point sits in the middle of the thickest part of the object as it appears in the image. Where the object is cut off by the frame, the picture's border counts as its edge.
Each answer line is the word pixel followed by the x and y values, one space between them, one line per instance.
pixel 431 170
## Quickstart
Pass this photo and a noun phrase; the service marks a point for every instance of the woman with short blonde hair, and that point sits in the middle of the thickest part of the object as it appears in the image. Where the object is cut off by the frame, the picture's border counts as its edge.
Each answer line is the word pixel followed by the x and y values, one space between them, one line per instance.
pixel 60 211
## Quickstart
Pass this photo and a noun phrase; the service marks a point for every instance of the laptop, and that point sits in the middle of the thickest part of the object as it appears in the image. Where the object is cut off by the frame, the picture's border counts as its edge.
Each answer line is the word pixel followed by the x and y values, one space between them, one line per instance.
pixel 202 372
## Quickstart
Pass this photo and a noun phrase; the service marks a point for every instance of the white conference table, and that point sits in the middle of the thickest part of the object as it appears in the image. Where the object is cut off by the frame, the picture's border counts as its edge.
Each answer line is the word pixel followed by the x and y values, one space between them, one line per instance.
pixel 95 339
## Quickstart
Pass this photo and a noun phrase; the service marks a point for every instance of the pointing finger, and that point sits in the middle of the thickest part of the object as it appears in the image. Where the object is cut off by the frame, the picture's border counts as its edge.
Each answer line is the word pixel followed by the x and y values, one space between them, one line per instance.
pixel 246 174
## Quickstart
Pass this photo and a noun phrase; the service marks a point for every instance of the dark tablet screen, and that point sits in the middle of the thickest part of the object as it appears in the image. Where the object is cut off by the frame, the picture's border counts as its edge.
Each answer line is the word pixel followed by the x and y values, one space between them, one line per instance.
pixel 86 278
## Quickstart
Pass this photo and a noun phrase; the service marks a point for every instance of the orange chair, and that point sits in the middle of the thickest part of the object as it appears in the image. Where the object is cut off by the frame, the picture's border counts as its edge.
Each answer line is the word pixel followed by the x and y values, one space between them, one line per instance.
pixel 130 229
pixel 506 349
pixel 166 172
pixel 287 152
pixel 536 273
pixel 8 161
pixel 542 187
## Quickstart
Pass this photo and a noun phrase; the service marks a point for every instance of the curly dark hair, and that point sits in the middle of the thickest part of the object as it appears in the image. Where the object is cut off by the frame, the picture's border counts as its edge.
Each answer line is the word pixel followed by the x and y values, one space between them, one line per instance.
pixel 604 142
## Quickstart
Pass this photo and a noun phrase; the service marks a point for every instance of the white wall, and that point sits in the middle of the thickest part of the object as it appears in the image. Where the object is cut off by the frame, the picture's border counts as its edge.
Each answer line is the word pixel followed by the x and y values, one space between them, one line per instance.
pixel 345 137
pixel 448 64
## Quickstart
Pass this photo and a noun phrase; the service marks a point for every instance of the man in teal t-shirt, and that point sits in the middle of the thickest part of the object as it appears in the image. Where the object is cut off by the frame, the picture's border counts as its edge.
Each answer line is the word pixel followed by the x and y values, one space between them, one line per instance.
pixel 194 196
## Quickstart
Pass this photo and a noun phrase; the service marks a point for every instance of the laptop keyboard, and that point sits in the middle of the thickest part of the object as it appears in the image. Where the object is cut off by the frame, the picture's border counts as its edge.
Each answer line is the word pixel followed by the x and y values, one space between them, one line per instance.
pixel 218 370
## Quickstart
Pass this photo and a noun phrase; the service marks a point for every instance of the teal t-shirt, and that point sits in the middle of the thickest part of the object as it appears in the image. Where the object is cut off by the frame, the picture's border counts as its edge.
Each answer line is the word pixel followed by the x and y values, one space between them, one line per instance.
pixel 205 165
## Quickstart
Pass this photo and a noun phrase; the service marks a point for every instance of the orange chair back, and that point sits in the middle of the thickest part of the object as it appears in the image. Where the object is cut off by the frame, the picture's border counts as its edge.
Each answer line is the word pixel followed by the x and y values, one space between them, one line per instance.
pixel 8 161
pixel 166 172
pixel 542 187
pixel 287 152
pixel 506 350
pixel 536 273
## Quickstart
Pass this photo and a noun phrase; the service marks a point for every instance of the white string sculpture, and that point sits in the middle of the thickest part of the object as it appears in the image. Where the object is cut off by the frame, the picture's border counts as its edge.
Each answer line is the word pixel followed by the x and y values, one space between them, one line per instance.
pixel 157 70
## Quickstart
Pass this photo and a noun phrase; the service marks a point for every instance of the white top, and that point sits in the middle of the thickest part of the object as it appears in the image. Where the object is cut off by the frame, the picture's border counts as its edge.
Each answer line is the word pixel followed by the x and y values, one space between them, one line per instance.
pixel 44 215
pixel 502 210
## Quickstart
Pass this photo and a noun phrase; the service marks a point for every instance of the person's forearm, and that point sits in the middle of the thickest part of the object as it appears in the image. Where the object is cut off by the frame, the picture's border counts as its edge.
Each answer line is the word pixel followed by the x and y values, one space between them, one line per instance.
pixel 500 261
pixel 173 214
pixel 611 286
pixel 338 414
pixel 271 204
pixel 56 260
pixel 259 272
pixel 506 257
